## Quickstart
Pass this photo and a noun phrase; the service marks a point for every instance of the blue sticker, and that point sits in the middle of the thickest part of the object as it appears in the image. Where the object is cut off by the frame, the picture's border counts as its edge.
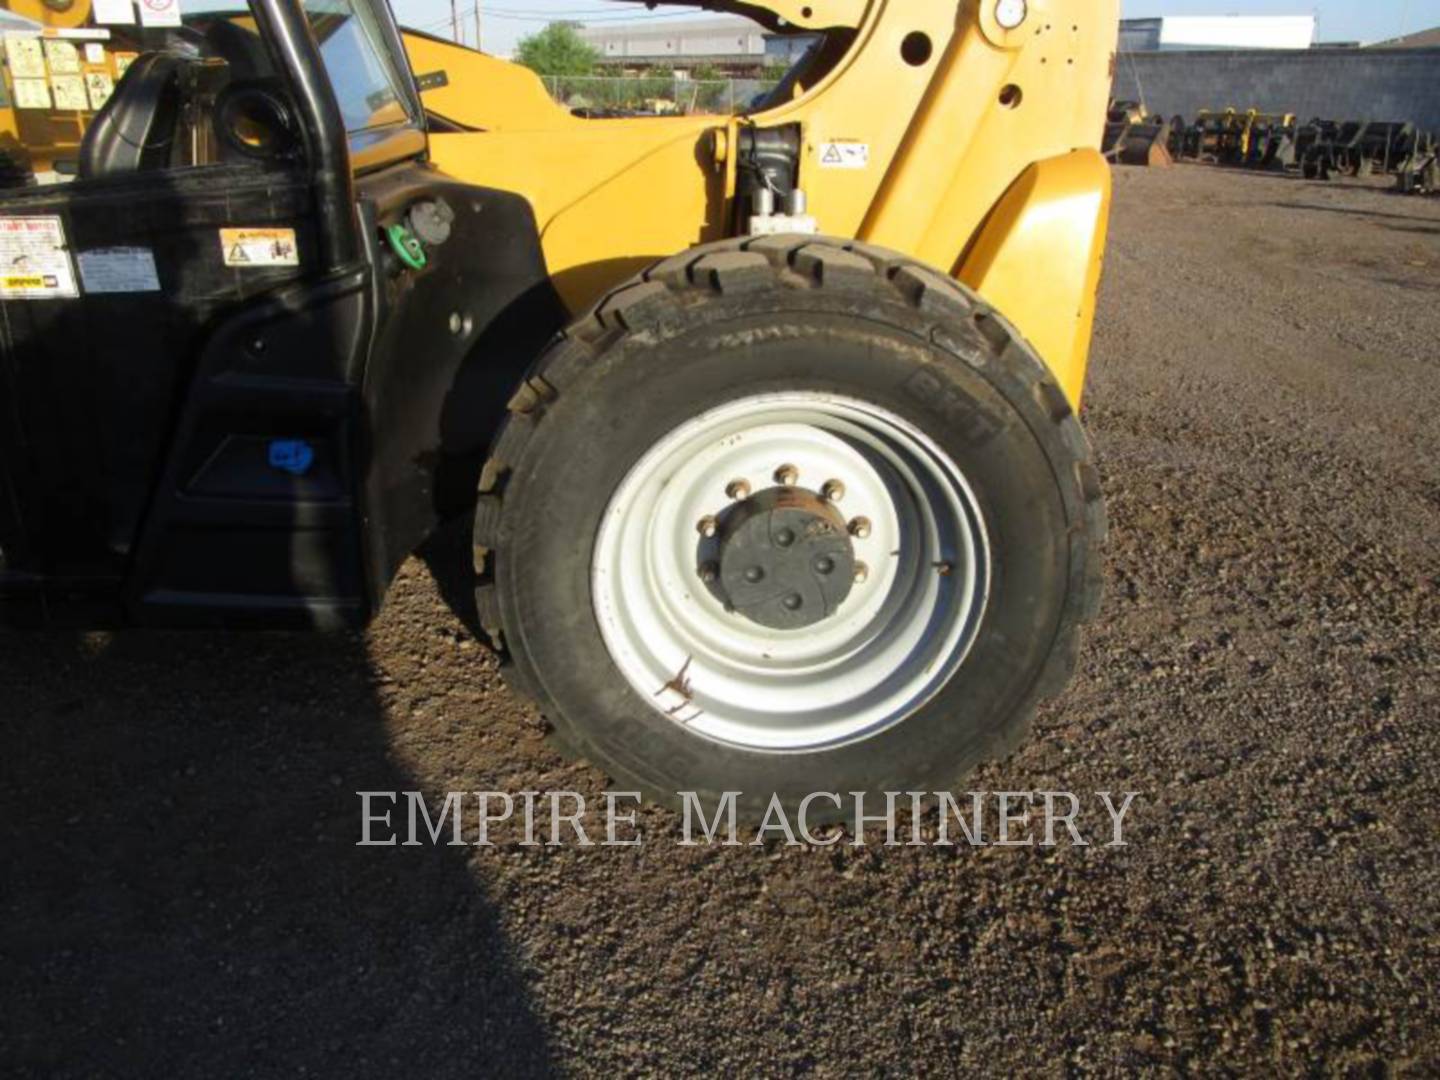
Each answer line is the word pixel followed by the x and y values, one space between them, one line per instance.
pixel 294 456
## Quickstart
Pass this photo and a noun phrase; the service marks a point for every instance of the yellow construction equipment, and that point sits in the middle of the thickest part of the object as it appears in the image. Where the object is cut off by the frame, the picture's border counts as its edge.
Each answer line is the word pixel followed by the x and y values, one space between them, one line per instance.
pixel 987 111
pixel 1133 136
pixel 767 422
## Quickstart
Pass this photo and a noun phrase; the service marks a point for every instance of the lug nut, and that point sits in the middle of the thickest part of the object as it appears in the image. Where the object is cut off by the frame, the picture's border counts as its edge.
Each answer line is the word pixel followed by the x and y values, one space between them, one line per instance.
pixel 754 574
pixel 859 527
pixel 709 572
pixel 738 489
pixel 787 475
pixel 706 526
pixel 793 602
pixel 784 537
pixel 824 564
pixel 861 573
pixel 832 491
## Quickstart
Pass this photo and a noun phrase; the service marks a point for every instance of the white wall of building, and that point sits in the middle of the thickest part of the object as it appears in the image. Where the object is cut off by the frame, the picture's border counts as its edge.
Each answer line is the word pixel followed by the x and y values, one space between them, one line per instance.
pixel 1237 31
pixel 661 40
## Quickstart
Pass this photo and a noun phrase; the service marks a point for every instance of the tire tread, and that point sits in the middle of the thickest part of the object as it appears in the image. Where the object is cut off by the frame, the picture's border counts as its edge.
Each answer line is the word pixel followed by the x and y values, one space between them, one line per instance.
pixel 750 264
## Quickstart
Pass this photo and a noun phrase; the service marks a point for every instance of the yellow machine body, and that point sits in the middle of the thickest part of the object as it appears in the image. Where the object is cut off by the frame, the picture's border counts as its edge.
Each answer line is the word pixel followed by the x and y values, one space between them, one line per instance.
pixel 926 127
pixel 938 133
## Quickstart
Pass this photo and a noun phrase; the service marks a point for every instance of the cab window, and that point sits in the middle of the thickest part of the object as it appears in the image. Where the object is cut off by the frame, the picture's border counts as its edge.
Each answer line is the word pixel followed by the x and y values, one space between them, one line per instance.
pixel 200 91
pixel 367 86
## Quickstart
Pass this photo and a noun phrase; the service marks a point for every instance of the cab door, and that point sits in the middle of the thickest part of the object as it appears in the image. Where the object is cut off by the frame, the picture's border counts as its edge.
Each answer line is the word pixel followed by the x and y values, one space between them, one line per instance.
pixel 259 431
pixel 137 235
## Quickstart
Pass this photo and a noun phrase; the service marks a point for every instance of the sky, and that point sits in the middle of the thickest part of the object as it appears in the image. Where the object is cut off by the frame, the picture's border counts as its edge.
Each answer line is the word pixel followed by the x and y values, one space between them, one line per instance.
pixel 504 22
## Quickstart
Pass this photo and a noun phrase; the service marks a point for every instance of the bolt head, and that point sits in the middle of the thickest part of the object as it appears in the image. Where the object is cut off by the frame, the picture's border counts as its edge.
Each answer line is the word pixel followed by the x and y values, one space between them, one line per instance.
pixel 832 491
pixel 788 475
pixel 709 572
pixel 1010 13
pixel 737 489
pixel 861 573
pixel 859 527
pixel 707 526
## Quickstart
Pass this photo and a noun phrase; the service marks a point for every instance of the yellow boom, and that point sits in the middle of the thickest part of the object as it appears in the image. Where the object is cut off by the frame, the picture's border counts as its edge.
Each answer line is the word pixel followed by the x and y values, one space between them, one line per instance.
pixel 962 142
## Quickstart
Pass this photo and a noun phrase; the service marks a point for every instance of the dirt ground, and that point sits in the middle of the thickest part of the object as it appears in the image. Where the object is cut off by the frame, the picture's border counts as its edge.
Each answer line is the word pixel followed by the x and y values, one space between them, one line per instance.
pixel 182 892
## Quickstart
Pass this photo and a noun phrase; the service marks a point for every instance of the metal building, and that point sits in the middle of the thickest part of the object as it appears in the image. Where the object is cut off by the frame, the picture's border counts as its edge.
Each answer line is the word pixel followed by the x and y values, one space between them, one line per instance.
pixel 722 41
pixel 1171 33
pixel 731 42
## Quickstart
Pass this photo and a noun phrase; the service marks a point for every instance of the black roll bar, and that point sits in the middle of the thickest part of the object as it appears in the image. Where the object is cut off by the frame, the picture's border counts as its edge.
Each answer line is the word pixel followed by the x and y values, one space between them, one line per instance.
pixel 284 25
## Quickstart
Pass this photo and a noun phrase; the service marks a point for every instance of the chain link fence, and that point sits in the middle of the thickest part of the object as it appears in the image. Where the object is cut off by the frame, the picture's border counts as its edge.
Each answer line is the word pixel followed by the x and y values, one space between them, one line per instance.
pixel 663 95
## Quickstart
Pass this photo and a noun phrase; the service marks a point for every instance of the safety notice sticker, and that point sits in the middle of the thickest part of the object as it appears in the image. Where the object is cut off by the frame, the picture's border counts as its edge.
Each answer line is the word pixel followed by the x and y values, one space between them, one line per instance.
pixel 62 57
pixel 69 91
pixel 119 270
pixel 34 261
pixel 99 87
pixel 25 55
pixel 844 155
pixel 259 247
pixel 32 94
pixel 159 12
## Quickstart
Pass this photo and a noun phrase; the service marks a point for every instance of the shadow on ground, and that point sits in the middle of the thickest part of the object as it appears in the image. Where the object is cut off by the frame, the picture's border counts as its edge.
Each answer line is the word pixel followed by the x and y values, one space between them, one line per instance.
pixel 1421 224
pixel 182 893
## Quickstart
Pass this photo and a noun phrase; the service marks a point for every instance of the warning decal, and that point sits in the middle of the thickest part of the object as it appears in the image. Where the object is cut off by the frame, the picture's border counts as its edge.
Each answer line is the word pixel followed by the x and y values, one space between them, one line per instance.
pixel 25 55
pixel 844 155
pixel 159 12
pixel 34 262
pixel 69 92
pixel 259 247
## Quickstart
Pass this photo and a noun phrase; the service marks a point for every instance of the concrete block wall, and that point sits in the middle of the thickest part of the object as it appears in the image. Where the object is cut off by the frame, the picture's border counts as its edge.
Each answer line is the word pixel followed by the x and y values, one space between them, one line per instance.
pixel 1339 84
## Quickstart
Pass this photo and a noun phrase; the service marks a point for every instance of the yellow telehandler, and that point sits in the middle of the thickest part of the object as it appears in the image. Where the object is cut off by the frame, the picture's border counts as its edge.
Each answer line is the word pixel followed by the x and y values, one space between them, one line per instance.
pixel 767 422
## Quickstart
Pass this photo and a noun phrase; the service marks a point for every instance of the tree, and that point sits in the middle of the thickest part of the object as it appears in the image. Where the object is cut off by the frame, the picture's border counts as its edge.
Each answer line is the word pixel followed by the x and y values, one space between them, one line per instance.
pixel 557 50
pixel 774 70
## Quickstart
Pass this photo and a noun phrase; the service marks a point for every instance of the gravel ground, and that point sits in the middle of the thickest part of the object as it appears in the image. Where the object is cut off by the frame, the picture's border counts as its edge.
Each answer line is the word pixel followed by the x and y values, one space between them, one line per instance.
pixel 182 893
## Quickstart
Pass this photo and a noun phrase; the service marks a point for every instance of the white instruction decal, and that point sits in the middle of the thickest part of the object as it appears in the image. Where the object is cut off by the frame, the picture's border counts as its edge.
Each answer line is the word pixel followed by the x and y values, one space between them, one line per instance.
pixel 119 270
pixel 25 55
pixel 159 12
pixel 34 262
pixel 63 57
pixel 32 94
pixel 259 247
pixel 114 12
pixel 99 86
pixel 69 92
pixel 844 155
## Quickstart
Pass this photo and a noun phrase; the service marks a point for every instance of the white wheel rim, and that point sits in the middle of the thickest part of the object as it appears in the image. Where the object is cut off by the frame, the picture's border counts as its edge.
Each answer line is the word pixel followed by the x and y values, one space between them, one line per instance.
pixel 896 639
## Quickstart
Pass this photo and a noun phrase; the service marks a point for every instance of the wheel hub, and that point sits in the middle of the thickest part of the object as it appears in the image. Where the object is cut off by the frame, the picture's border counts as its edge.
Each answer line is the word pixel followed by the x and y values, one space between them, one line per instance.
pixel 674 624
pixel 785 559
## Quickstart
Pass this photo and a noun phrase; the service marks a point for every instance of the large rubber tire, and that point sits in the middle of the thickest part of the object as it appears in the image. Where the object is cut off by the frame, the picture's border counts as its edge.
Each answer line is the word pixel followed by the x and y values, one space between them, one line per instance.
pixel 743 317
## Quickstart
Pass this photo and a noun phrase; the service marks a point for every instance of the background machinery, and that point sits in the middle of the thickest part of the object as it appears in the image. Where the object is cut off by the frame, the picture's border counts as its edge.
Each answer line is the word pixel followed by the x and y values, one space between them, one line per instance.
pixel 1134 136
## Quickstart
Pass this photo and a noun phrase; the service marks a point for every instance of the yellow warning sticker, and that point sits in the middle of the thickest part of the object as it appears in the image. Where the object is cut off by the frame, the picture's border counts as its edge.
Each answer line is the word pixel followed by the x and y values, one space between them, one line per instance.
pixel 844 155
pixel 259 247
